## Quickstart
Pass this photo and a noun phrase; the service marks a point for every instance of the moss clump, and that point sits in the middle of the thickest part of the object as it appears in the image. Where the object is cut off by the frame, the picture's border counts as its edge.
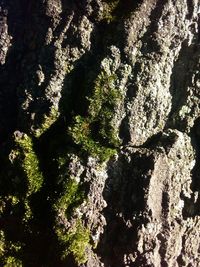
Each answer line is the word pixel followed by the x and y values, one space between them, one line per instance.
pixel 12 262
pixel 12 200
pixel 47 122
pixel 29 163
pixel 108 10
pixel 27 170
pixel 2 244
pixel 104 93
pixel 71 197
pixel 7 252
pixel 76 241
pixel 81 136
pixel 95 133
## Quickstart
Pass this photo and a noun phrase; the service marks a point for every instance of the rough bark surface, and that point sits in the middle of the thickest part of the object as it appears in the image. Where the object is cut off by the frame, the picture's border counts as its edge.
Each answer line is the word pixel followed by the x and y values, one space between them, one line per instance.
pixel 99 133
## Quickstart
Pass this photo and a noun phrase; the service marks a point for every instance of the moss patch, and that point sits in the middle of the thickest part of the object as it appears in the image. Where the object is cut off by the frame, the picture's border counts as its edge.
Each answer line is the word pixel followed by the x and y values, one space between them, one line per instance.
pixel 95 133
pixel 29 163
pixel 8 252
pixel 47 122
pixel 109 8
pixel 82 136
pixel 71 197
pixel 12 262
pixel 75 241
pixel 27 170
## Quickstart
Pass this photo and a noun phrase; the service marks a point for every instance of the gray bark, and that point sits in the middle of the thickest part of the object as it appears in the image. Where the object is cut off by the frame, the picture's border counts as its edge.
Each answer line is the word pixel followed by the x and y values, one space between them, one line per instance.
pixel 99 133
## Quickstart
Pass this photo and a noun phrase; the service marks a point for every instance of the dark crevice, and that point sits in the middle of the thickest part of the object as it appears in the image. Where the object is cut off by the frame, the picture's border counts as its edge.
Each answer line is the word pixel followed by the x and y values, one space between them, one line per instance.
pixel 8 96
pixel 27 24
pixel 178 80
pixel 191 205
pixel 190 5
pixel 152 141
pixel 124 132
pixel 125 8
pixel 195 138
pixel 180 259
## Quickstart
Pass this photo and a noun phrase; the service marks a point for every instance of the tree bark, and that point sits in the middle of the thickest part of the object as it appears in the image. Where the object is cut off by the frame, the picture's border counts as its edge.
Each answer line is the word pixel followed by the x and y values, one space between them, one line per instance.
pixel 99 133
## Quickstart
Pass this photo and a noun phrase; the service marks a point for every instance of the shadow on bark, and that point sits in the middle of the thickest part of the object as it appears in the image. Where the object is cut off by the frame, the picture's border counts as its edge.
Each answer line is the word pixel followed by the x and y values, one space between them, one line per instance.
pixel 125 197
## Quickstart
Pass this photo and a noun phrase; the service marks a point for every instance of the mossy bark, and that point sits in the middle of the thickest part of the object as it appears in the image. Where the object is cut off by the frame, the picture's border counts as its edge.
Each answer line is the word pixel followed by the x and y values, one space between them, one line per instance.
pixel 99 133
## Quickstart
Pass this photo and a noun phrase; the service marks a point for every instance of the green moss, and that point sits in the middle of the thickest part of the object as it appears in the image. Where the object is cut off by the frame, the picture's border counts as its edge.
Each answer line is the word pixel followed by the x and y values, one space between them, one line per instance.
pixel 102 105
pixel 71 197
pixel 100 142
pixel 12 200
pixel 28 212
pixel 104 93
pixel 27 170
pixel 7 250
pixel 29 163
pixel 76 241
pixel 12 262
pixel 2 244
pixel 72 193
pixel 47 122
pixel 80 133
pixel 108 10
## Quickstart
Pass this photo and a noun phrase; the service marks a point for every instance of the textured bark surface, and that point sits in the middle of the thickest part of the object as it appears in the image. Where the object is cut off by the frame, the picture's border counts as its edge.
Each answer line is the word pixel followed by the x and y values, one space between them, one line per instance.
pixel 99 133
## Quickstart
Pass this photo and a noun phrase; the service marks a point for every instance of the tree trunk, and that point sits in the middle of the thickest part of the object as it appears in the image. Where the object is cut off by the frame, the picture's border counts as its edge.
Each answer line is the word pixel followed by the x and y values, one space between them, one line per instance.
pixel 99 133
